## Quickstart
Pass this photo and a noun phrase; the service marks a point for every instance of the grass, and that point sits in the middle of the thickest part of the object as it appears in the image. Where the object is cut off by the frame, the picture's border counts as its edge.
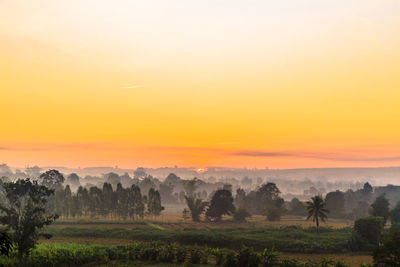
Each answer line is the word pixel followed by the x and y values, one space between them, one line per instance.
pixel 285 239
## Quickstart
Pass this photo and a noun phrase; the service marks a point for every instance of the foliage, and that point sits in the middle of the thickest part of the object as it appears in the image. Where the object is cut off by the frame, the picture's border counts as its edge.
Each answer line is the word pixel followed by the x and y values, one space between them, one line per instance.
pixel 6 245
pixel 196 207
pixel 335 203
pixel 246 257
pixel 24 212
pixel 296 207
pixel 154 206
pixel 221 204
pixel 395 214
pixel 241 214
pixel 285 239
pixel 370 228
pixel 52 179
pixel 388 253
pixel 316 210
pixel 276 210
pixel 380 208
pixel 269 258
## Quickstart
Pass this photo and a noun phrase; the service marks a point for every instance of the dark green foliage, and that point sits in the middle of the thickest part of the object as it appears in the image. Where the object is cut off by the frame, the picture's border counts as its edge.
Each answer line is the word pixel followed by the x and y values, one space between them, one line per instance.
pixel 370 228
pixel 6 245
pixel 269 258
pixel 380 208
pixel 241 214
pixel 230 259
pixel 70 254
pixel 286 239
pixel 388 252
pixel 395 214
pixel 246 257
pixel 24 213
pixel 221 204
pixel 316 210
pixel 195 255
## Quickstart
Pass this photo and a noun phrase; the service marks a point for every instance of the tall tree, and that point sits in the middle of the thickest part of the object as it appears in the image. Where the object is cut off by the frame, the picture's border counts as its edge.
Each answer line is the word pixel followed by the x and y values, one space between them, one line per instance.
pixel 335 203
pixel 221 204
pixel 154 206
pixel 52 179
pixel 380 208
pixel 196 207
pixel 24 212
pixel 316 209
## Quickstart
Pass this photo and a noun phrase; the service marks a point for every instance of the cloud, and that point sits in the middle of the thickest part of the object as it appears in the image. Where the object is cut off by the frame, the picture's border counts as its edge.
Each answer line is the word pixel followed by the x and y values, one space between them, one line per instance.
pixel 314 155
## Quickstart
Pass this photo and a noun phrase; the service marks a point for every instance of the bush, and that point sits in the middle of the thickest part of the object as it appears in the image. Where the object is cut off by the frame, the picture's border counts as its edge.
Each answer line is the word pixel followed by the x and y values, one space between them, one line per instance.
pixel 195 255
pixel 241 214
pixel 370 228
pixel 269 258
pixel 247 257
pixel 219 256
pixel 230 260
pixel 388 253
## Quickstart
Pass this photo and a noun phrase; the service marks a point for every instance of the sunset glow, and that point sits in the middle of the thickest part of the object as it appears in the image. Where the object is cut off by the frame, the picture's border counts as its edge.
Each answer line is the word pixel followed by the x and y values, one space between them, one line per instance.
pixel 279 84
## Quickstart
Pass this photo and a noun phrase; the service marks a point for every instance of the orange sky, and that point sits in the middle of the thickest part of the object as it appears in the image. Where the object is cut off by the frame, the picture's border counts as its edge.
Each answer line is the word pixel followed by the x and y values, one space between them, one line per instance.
pixel 303 83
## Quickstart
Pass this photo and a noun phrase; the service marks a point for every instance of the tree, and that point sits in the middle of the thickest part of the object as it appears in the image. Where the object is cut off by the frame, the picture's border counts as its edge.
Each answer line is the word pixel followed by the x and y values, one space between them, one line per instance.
pixel 73 180
pixel 395 214
pixel 24 212
pixel 154 203
pixel 190 186
pixel 380 208
pixel 296 207
pixel 388 253
pixel 221 204
pixel 241 214
pixel 316 209
pixel 166 190
pixel 275 210
pixel 335 203
pixel 52 179
pixel 196 207
pixel 370 228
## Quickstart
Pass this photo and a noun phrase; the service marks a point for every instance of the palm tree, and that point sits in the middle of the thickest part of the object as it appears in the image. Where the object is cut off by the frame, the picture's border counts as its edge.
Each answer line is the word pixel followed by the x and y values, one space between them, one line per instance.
pixel 196 207
pixel 316 210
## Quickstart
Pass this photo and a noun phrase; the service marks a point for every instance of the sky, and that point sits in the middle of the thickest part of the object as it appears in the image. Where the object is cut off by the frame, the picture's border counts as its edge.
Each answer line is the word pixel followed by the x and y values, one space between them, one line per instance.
pixel 278 84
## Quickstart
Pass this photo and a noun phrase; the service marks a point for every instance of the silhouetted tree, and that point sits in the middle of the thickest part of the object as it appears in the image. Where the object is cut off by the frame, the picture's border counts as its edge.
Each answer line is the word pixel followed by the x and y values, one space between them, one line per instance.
pixel 380 208
pixel 221 204
pixel 335 203
pixel 316 210
pixel 154 203
pixel 52 179
pixel 24 212
pixel 196 207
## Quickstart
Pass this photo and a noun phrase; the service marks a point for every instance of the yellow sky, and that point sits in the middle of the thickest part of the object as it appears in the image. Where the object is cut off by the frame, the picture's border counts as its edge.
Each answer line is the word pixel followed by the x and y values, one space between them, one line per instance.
pixel 302 83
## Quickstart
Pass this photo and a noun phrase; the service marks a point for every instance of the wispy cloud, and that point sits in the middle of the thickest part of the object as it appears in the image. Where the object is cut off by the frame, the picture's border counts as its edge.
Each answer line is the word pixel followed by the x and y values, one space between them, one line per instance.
pixel 315 155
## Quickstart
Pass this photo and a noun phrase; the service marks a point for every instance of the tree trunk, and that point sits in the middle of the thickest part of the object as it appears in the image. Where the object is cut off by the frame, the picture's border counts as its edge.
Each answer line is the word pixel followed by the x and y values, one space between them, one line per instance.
pixel 317 221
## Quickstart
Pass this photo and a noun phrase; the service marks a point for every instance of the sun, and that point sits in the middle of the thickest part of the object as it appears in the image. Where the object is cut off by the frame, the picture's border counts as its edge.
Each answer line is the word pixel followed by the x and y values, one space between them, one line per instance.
pixel 200 170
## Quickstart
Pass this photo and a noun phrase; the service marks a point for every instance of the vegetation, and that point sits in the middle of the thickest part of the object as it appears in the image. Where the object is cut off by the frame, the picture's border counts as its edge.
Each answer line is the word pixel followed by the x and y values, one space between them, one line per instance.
pixel 388 252
pixel 316 210
pixel 70 254
pixel 380 208
pixel 196 207
pixel 221 204
pixel 24 212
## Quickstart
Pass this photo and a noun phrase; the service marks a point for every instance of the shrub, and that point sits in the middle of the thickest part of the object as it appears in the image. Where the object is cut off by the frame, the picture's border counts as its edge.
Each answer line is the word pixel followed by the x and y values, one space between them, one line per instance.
pixel 269 258
pixel 195 255
pixel 388 253
pixel 241 214
pixel 247 257
pixel 230 260
pixel 180 254
pixel 370 228
pixel 219 256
